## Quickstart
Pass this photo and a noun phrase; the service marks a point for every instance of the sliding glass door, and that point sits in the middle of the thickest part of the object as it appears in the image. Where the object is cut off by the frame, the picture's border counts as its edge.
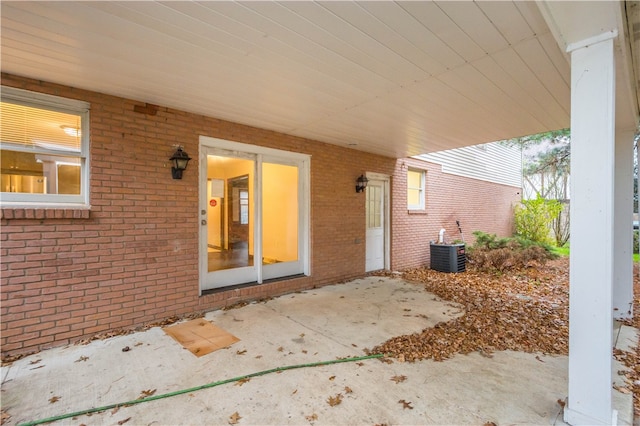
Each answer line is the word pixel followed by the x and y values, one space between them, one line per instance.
pixel 254 213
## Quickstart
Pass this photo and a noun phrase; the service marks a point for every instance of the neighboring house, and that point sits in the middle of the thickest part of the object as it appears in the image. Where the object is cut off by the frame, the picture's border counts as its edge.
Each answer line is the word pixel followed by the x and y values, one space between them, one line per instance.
pixel 97 234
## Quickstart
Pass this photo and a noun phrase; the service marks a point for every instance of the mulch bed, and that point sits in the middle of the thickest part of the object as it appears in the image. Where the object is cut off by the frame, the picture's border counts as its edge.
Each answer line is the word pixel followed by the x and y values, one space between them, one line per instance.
pixel 525 310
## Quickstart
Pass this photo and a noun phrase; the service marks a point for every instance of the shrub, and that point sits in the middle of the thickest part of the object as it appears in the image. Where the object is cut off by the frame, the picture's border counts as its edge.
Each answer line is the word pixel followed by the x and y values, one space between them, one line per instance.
pixel 492 253
pixel 533 218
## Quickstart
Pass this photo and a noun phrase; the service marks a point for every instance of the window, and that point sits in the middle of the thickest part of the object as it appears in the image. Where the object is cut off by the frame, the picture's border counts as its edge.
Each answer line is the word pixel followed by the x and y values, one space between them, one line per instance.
pixel 44 148
pixel 415 189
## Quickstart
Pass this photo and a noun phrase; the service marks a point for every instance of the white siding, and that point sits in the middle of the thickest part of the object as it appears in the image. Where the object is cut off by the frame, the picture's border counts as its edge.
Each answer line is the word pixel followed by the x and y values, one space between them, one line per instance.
pixel 491 162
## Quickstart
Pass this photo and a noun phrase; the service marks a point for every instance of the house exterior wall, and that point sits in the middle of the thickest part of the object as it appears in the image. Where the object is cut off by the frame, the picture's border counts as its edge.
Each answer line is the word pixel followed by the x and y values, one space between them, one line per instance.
pixel 493 162
pixel 132 259
pixel 479 205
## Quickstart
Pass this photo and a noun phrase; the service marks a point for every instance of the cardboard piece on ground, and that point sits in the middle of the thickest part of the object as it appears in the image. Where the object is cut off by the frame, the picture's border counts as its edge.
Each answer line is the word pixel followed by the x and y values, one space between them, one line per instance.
pixel 200 337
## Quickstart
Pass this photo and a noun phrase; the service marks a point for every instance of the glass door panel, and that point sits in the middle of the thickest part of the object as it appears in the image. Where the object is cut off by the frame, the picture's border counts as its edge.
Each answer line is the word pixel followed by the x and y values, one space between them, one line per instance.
pixel 280 219
pixel 229 221
pixel 254 213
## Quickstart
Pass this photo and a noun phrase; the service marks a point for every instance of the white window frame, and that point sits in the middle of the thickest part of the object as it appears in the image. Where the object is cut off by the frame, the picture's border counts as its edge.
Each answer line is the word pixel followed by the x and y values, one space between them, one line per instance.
pixel 421 189
pixel 59 104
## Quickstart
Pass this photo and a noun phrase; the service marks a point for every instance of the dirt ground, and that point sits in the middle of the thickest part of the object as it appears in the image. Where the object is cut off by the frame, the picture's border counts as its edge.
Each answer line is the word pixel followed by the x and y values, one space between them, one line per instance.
pixel 525 310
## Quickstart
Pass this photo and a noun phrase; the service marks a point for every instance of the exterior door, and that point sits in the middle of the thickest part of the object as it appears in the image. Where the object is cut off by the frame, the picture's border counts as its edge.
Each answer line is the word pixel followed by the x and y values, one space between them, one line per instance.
pixel 254 214
pixel 376 225
pixel 227 218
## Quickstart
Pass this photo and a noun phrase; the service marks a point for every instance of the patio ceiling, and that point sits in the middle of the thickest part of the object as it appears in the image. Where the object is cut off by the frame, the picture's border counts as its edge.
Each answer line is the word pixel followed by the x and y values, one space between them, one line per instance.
pixel 392 78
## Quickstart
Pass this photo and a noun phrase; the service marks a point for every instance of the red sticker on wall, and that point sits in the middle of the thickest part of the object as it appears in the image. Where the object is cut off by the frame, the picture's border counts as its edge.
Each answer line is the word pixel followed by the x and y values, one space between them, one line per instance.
pixel 213 203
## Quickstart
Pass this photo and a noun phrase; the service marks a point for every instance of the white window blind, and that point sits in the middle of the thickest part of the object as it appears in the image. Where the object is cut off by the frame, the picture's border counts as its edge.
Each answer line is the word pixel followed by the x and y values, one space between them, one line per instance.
pixel 39 130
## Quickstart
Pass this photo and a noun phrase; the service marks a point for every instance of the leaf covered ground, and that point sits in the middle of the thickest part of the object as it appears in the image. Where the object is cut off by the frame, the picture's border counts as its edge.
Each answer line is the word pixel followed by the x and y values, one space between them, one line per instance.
pixel 525 310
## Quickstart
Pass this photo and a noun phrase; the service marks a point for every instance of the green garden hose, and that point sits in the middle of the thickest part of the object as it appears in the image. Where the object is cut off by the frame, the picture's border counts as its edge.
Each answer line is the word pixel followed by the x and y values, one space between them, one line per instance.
pixel 197 388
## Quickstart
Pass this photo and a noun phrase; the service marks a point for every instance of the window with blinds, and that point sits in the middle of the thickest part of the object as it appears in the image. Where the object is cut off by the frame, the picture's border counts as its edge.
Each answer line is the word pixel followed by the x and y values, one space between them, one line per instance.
pixel 44 149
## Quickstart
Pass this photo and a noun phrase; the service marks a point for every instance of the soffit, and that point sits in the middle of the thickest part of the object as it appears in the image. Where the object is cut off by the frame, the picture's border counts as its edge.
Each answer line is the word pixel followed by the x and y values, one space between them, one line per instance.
pixel 392 78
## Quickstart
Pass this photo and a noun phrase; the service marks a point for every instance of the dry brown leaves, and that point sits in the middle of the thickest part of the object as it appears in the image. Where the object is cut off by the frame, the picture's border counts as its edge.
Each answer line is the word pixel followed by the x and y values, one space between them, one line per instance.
pixel 399 379
pixel 405 404
pixel 147 393
pixel 4 416
pixel 242 381
pixel 632 358
pixel 526 310
pixel 335 400
pixel 234 418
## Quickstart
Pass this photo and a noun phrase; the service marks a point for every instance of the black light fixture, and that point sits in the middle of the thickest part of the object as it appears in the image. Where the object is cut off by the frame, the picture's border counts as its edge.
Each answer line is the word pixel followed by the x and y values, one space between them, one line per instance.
pixel 361 183
pixel 179 161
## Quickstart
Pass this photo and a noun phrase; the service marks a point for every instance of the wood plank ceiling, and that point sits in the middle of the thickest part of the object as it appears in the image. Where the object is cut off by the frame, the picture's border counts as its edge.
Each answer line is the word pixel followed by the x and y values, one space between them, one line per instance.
pixel 393 78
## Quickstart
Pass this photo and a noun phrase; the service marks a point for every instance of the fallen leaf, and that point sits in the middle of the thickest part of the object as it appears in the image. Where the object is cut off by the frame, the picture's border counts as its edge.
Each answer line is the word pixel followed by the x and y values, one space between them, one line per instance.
pixel 312 417
pixel 126 349
pixel 622 389
pixel 121 422
pixel 399 379
pixel 146 393
pixel 334 400
pixel 332 378
pixel 489 424
pixel 242 352
pixel 301 335
pixel 294 392
pixel 347 389
pixel 280 349
pixel 82 359
pixel 54 399
pixel 405 404
pixel 115 410
pixel 561 403
pixel 242 381
pixel 234 418
pixel 526 310
pixel 34 361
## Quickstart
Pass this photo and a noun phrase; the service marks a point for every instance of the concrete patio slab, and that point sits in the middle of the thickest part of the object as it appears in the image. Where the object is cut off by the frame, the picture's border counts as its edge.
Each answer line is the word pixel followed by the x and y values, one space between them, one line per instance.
pixel 317 325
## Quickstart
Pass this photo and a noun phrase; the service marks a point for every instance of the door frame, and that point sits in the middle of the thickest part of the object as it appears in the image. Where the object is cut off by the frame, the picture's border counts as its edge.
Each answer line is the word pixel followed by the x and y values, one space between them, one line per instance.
pixel 259 154
pixel 386 186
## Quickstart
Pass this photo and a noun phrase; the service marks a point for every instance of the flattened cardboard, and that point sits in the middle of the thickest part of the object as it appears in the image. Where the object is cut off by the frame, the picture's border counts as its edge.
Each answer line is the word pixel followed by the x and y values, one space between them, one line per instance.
pixel 200 337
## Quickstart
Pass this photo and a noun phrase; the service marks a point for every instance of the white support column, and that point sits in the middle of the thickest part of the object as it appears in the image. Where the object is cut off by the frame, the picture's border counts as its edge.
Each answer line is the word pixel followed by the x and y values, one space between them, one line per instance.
pixel 592 210
pixel 623 227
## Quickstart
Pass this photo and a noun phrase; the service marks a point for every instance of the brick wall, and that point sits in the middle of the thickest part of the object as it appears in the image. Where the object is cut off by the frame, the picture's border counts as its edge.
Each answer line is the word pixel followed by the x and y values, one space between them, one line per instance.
pixel 133 257
pixel 478 205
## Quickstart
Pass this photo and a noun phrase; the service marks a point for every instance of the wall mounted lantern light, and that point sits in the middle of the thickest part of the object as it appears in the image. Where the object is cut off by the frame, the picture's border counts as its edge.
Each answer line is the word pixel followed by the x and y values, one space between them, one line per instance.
pixel 179 161
pixel 361 183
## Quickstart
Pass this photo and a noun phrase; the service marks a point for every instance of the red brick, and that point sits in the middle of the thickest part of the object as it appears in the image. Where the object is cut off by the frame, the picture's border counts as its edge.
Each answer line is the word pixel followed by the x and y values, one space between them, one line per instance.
pixel 134 256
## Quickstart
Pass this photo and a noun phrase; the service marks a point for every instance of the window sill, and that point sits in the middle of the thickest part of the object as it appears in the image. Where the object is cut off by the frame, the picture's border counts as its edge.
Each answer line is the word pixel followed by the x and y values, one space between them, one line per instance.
pixel 418 212
pixel 9 213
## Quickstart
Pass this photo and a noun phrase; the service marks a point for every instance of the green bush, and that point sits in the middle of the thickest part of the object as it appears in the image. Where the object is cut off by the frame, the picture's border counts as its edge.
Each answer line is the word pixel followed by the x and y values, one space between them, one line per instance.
pixel 492 253
pixel 635 242
pixel 533 219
